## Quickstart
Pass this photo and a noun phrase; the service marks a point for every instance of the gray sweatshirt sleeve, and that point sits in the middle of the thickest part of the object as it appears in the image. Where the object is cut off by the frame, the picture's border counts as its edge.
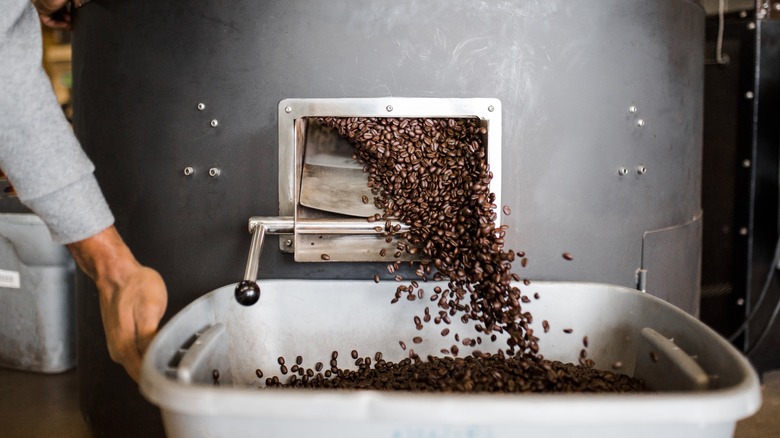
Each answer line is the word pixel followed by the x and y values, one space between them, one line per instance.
pixel 38 150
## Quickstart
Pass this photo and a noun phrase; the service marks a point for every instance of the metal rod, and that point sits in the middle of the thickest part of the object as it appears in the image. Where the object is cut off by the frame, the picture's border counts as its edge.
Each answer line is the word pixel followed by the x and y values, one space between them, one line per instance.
pixel 253 260
pixel 286 225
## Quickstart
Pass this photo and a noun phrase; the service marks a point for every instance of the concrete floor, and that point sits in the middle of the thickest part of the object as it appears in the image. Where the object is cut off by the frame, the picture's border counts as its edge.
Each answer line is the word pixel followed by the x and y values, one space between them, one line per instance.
pixel 38 405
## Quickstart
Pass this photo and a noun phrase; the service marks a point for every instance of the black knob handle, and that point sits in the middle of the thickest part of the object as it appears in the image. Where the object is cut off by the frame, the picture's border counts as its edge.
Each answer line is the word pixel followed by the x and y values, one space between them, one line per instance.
pixel 247 293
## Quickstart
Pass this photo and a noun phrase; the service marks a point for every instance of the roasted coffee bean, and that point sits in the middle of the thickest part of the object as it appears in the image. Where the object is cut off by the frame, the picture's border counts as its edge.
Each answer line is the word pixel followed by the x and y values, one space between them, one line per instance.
pixel 376 278
pixel 382 252
pixel 280 360
pixel 617 365
pixel 507 210
pixel 215 374
pixel 654 356
pixel 567 330
pixel 536 295
pixel 283 369
pixel 325 257
pixel 585 341
pixel 299 360
pixel 445 332
pixel 546 326
pixel 318 367
pixel 417 340
pixel 365 199
pixel 354 354
pixel 402 344
pixel 259 373
pixel 568 256
pixel 334 355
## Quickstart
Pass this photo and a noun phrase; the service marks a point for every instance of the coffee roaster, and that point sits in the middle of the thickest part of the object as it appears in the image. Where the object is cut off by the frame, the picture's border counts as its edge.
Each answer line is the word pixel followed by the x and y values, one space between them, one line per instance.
pixel 596 107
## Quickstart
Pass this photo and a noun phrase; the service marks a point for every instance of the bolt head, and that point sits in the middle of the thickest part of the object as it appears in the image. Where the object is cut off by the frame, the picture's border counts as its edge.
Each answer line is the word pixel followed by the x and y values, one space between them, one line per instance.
pixel 288 243
pixel 640 122
pixel 288 109
pixel 214 123
pixel 214 172
pixel 389 108
pixel 188 171
pixel 491 108
pixel 201 106
pixel 641 170
pixel 623 171
pixel 633 109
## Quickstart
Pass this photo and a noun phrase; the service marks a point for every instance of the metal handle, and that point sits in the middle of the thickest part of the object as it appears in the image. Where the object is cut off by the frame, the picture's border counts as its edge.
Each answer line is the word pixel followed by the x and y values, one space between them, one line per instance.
pixel 247 291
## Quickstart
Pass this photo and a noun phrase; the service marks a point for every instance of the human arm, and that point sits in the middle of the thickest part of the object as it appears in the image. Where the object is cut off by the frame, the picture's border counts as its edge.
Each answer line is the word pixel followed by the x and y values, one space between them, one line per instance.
pixel 53 177
pixel 132 297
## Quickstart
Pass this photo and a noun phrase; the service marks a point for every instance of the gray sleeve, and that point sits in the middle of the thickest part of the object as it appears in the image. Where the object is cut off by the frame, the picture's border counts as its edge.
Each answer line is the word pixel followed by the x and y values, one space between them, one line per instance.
pixel 38 151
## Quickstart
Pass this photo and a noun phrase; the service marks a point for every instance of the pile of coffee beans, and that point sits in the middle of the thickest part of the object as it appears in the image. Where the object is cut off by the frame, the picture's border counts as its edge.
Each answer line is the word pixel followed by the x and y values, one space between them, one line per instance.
pixel 432 174
pixel 475 373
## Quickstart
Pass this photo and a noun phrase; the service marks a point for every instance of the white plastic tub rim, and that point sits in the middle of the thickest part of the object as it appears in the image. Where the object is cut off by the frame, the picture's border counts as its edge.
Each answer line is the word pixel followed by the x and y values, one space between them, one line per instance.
pixel 735 391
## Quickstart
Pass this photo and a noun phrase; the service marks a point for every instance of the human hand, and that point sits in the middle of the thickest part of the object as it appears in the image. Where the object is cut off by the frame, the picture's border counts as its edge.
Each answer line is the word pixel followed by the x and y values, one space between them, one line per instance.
pixel 9 189
pixel 132 297
pixel 53 13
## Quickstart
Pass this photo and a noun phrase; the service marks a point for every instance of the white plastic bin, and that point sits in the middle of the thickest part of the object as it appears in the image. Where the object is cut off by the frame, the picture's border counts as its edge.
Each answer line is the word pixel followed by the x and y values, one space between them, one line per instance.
pixel 37 322
pixel 313 318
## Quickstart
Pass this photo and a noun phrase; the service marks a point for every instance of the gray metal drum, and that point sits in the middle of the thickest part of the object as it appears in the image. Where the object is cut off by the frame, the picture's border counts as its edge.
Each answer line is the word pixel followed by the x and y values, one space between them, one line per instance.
pixel 602 122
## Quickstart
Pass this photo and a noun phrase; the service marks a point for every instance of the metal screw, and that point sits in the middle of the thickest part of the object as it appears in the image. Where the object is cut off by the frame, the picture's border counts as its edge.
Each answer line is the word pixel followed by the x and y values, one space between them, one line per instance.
pixel 188 171
pixel 214 123
pixel 623 171
pixel 751 25
pixel 743 231
pixel 201 106
pixel 389 108
pixel 748 95
pixel 214 171
pixel 633 109
pixel 287 109
pixel 641 170
pixel 491 108
pixel 288 243
pixel 746 163
pixel 640 123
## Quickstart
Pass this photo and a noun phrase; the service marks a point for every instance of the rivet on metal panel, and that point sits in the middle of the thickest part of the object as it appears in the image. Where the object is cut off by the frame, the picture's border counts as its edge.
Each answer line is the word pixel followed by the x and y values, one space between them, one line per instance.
pixel 214 171
pixel 623 171
pixel 748 95
pixel 751 25
pixel 633 109
pixel 746 163
pixel 214 123
pixel 641 169
pixel 389 108
pixel 640 122
pixel 188 171
pixel 288 109
pixel 743 231
pixel 201 106
pixel 491 108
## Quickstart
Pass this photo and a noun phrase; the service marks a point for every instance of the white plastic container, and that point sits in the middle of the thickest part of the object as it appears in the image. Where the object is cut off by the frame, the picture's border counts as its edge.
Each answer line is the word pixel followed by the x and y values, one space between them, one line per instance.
pixel 313 318
pixel 37 322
